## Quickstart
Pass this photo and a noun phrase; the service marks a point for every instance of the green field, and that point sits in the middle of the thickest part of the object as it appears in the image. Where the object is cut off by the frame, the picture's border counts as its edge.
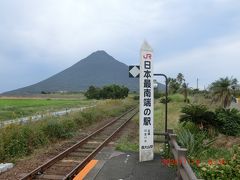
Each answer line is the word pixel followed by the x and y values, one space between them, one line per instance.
pixel 174 108
pixel 18 141
pixel 21 107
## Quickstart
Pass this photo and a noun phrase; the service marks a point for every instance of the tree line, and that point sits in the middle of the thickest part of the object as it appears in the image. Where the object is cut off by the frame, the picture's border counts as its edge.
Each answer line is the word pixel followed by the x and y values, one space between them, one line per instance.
pixel 223 90
pixel 107 92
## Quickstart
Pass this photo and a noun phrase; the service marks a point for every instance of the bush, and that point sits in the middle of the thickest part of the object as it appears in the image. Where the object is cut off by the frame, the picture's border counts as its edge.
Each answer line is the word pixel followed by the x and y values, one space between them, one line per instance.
pixel 107 92
pixel 163 100
pixel 17 141
pixel 2 153
pixel 56 129
pixel 176 97
pixel 88 116
pixel 228 121
pixel 225 121
pixel 93 93
pixel 222 169
pixel 198 114
pixel 136 97
pixel 91 116
pixel 158 94
pixel 216 153
pixel 194 142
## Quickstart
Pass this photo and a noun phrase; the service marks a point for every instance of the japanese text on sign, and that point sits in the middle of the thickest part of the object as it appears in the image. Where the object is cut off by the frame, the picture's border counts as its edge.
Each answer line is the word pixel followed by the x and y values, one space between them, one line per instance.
pixel 146 104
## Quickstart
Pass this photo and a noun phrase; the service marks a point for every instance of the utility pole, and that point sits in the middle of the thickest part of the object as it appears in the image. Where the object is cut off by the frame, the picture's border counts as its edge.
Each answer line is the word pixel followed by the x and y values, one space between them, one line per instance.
pixel 197 83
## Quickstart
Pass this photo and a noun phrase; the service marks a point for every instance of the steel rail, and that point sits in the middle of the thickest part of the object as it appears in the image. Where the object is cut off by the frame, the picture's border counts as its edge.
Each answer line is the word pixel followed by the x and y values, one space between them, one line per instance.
pixel 45 166
pixel 90 156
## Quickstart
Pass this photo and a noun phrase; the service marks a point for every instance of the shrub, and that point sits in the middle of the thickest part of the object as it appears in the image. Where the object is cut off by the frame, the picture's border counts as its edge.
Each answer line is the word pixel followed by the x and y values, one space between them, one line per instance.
pixel 136 97
pixel 189 126
pixel 198 114
pixel 38 138
pixel 93 93
pixel 228 121
pixel 2 151
pixel 225 169
pixel 194 142
pixel 107 92
pixel 158 94
pixel 216 153
pixel 56 129
pixel 90 116
pixel 17 141
pixel 70 127
pixel 176 97
pixel 163 100
pixel 53 129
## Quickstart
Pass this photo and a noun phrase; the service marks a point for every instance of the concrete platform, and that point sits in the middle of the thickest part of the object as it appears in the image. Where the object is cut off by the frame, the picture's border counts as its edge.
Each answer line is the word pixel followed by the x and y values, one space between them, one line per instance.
pixel 114 165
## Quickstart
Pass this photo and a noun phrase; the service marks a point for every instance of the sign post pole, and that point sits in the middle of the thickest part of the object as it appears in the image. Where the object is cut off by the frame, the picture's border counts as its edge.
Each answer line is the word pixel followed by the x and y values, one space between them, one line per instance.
pixel 146 103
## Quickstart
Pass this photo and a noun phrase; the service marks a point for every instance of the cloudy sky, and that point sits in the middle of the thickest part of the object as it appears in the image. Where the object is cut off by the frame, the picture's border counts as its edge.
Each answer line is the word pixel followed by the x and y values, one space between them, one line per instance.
pixel 39 38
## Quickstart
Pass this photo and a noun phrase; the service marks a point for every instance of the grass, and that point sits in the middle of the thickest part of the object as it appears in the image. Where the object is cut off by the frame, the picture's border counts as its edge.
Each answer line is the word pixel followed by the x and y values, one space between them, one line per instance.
pixel 127 143
pixel 16 108
pixel 17 141
pixel 215 153
pixel 130 143
pixel 174 108
pixel 200 99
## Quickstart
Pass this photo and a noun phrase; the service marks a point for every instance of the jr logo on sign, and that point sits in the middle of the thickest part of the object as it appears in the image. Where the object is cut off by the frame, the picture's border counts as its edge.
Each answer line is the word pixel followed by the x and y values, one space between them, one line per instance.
pixel 147 56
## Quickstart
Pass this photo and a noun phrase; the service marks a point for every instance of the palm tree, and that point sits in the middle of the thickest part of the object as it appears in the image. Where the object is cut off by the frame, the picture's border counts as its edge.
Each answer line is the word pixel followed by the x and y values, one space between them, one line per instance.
pixel 180 78
pixel 174 85
pixel 222 90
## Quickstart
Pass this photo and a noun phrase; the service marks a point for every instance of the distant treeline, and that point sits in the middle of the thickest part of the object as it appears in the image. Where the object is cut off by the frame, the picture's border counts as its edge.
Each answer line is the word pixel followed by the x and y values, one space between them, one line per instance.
pixel 107 92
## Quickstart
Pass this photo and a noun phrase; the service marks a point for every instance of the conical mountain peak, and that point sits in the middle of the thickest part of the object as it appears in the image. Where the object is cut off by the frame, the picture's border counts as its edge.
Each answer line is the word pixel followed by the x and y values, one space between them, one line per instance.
pixel 99 55
pixel 96 59
pixel 97 69
pixel 100 52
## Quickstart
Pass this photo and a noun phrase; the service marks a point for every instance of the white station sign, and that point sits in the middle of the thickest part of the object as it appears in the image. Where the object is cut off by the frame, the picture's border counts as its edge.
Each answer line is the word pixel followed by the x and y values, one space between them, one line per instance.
pixel 146 108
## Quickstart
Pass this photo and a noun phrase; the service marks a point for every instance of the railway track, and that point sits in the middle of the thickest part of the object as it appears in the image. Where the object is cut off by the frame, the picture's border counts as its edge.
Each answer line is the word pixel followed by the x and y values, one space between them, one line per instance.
pixel 67 164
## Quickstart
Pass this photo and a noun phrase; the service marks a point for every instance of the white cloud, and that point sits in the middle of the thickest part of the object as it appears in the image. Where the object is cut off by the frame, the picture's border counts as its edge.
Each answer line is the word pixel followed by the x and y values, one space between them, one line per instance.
pixel 219 58
pixel 57 33
pixel 66 27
